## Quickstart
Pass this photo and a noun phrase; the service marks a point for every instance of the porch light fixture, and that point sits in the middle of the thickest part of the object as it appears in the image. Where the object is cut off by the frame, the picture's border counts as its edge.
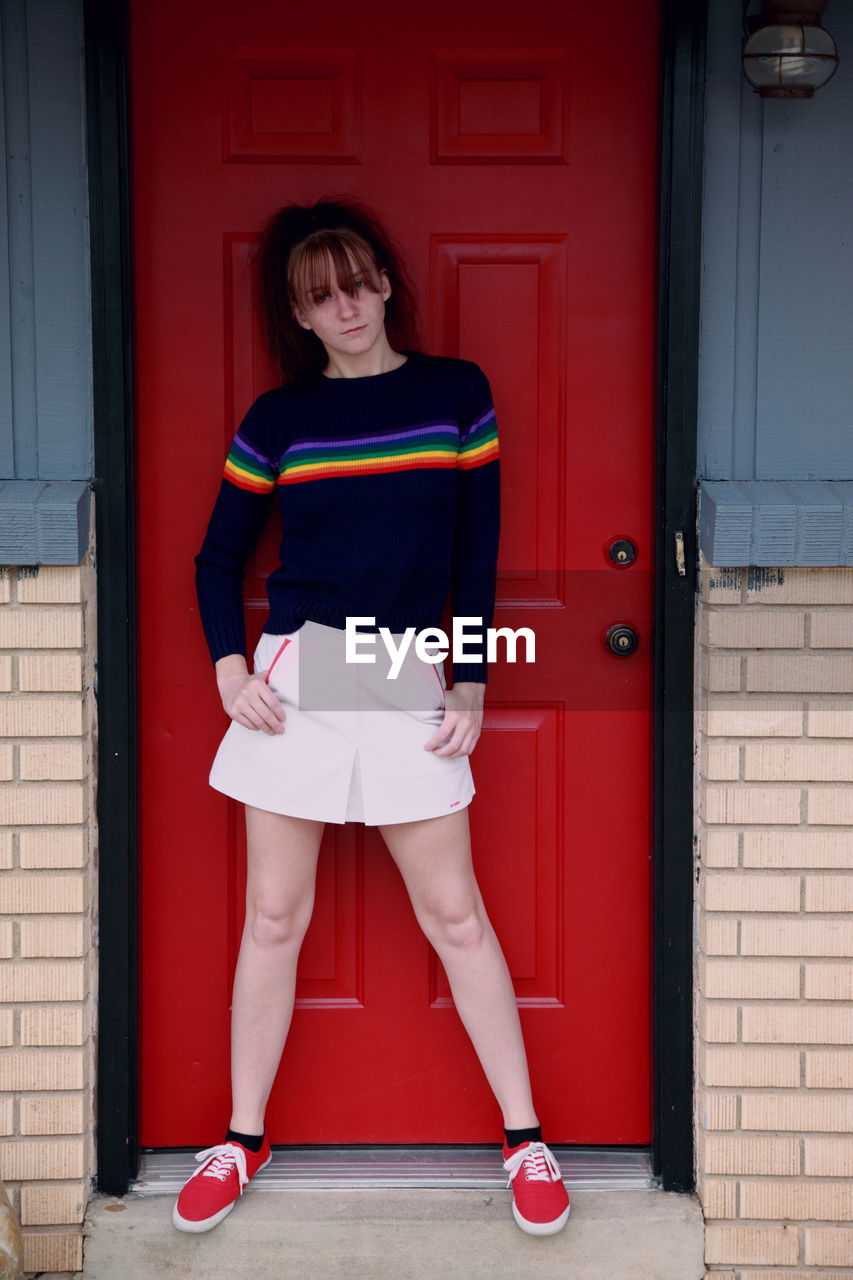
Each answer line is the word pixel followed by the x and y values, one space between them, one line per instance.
pixel 787 53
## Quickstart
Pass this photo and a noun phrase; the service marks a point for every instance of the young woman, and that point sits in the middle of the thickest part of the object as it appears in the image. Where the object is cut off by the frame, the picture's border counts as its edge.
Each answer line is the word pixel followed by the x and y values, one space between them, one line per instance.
pixel 385 460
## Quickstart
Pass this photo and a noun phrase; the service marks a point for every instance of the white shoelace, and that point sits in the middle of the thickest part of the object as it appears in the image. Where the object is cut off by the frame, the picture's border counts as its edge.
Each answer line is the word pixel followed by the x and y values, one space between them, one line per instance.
pixel 226 1156
pixel 539 1160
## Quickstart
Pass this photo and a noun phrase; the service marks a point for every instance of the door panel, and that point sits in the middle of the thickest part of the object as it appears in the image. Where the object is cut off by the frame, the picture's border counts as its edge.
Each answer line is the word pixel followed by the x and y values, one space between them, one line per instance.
pixel 514 157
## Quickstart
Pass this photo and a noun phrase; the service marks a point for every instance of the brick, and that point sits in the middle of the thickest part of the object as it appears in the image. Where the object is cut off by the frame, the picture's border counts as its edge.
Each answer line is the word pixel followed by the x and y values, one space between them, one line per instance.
pixel 775 1275
pixel 830 805
pixel 717 1022
pixel 36 981
pixel 831 629
pixel 50 584
pixel 828 1157
pixel 719 1110
pixel 6 851
pixel 41 629
pixel 747 803
pixel 741 979
pixel 777 1244
pixel 720 760
pixel 748 1068
pixel 53 1115
pixel 5 672
pixel 42 1069
pixel 830 719
pixel 799 761
pixel 829 893
pixel 800 1024
pixel 721 672
pixel 755 891
pixel 6 939
pixel 718 847
pixel 42 1159
pixel 53 1251
pixel 828 1246
pixel 803 673
pixel 753 717
pixel 7 765
pixel 797 849
pixel 797 1112
pixel 49 672
pixel 803 936
pixel 829 1069
pixel 59 761
pixel 735 1153
pixel 721 586
pixel 718 935
pixel 7 1116
pixel 752 629
pixel 828 981
pixel 5 585
pixel 718 1197
pixel 54 938
pixel 24 894
pixel 53 847
pixel 817 585
pixel 41 717
pixel 7 1027
pixel 43 1205
pixel 797 1199
pixel 36 803
pixel 51 1025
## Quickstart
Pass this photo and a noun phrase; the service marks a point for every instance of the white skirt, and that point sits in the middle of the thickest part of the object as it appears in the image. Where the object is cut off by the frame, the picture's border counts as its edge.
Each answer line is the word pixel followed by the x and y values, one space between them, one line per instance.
pixel 353 743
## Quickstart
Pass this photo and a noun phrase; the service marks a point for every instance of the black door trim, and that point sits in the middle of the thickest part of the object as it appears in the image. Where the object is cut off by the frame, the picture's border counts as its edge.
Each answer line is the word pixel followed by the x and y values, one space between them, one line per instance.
pixel 683 35
pixel 117 1142
pixel 681 166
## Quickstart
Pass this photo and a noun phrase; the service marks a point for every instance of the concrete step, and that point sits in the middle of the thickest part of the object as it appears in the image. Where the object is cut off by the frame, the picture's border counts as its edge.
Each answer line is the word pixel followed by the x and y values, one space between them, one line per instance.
pixel 397 1234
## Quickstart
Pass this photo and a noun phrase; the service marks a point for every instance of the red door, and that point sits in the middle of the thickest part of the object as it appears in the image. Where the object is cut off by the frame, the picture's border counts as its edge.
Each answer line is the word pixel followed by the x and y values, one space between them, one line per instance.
pixel 513 153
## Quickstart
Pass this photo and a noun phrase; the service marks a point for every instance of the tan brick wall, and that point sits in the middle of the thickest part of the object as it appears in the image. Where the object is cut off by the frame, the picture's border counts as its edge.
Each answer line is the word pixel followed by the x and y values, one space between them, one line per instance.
pixel 774 922
pixel 48 904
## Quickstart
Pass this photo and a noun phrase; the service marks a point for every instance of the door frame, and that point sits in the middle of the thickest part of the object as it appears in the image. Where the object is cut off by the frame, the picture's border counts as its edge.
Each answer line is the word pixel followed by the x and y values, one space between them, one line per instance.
pixel 682 83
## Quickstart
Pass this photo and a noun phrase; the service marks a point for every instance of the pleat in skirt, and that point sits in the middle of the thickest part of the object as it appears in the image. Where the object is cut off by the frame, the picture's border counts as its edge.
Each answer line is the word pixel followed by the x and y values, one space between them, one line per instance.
pixel 353 743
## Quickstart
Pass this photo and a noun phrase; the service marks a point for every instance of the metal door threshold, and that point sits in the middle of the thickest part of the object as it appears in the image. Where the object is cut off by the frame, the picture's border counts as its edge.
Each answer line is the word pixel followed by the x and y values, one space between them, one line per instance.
pixel 472 1167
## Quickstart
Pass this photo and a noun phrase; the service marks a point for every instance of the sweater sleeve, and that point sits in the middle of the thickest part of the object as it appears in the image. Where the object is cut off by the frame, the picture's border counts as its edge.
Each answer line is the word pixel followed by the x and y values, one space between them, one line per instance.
pixel 239 513
pixel 477 530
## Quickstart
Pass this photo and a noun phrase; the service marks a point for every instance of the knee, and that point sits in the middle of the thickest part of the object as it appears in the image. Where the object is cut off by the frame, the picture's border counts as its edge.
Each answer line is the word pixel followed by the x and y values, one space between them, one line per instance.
pixel 271 924
pixel 460 927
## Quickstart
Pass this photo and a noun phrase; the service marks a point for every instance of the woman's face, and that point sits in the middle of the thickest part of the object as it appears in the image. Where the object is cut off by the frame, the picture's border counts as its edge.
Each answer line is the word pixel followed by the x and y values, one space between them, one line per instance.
pixel 345 324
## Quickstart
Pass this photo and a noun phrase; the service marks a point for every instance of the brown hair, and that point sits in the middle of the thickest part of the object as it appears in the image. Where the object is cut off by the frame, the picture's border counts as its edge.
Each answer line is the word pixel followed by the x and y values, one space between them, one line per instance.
pixel 290 261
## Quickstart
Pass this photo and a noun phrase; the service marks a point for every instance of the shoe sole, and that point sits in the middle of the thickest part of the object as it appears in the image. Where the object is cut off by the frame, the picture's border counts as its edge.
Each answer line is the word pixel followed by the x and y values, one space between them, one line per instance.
pixel 207 1224
pixel 541 1228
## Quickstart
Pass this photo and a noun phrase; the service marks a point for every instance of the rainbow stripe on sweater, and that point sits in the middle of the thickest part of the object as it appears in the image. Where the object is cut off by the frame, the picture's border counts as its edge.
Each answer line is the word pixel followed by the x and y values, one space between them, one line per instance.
pixel 429 444
pixel 249 469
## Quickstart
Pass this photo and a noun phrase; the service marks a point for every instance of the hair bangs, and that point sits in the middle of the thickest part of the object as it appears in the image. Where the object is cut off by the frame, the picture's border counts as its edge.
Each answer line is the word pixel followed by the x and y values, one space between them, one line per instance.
pixel 351 260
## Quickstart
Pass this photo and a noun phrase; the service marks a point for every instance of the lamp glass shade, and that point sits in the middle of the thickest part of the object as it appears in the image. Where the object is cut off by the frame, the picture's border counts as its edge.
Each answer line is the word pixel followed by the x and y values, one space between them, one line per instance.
pixel 790 56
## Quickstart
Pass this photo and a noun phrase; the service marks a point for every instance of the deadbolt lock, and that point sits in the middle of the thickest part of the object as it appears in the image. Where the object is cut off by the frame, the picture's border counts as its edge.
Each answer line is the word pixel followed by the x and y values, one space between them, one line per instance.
pixel 621 639
pixel 622 551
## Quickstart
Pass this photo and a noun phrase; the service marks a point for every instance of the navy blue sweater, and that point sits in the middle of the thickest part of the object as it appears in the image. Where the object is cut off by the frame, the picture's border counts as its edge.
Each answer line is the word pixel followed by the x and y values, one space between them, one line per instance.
pixel 389 494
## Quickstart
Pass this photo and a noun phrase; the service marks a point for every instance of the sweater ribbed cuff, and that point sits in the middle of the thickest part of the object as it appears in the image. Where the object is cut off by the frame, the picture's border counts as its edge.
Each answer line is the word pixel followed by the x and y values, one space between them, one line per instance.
pixel 477 672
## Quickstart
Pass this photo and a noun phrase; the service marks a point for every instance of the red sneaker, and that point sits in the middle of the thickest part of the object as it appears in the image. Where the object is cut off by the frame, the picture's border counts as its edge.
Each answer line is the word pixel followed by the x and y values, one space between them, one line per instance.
pixel 540 1202
pixel 209 1194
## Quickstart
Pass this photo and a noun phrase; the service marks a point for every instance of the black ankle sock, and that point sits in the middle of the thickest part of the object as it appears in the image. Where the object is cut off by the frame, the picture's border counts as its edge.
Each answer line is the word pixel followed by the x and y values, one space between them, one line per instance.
pixel 253 1141
pixel 515 1136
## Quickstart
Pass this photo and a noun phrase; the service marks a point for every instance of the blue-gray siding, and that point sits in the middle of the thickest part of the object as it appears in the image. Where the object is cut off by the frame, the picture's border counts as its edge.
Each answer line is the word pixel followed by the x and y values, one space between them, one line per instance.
pixel 776 374
pixel 45 334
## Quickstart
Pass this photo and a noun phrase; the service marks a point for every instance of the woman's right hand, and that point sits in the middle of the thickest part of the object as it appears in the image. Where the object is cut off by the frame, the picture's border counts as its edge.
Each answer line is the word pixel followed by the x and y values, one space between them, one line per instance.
pixel 248 699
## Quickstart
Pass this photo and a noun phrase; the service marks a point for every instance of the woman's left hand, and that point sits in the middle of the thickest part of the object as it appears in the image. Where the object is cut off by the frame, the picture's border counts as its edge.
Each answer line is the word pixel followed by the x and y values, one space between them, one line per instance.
pixel 463 720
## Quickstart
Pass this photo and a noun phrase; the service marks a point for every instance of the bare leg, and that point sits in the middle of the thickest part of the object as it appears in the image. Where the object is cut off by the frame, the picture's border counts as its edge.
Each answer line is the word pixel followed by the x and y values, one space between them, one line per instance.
pixel 282 871
pixel 434 858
